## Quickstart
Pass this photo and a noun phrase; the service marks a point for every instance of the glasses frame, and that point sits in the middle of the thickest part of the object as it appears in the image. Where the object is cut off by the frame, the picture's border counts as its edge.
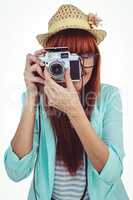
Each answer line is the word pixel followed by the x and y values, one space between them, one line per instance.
pixel 85 56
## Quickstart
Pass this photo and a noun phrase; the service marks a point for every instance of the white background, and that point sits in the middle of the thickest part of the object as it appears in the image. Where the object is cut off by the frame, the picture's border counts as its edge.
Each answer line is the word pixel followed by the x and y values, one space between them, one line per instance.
pixel 20 22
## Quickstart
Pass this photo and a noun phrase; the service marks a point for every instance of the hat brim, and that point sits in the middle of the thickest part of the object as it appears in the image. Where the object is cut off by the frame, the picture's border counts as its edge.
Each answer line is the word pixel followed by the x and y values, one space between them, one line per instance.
pixel 98 34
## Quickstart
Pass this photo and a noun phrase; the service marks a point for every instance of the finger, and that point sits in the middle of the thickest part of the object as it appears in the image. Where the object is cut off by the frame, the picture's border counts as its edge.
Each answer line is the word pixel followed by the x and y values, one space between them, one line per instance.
pixel 54 90
pixel 52 84
pixel 47 97
pixel 39 62
pixel 36 68
pixel 47 74
pixel 49 92
pixel 39 52
pixel 68 80
pixel 30 59
pixel 31 78
pixel 35 79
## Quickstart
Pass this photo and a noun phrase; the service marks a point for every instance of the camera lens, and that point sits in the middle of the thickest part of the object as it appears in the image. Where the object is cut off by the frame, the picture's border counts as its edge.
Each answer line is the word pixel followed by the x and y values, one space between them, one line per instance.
pixel 56 69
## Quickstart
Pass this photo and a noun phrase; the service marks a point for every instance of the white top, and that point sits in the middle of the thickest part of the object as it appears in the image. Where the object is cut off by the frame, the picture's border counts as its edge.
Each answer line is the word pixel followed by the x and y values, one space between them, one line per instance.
pixel 67 187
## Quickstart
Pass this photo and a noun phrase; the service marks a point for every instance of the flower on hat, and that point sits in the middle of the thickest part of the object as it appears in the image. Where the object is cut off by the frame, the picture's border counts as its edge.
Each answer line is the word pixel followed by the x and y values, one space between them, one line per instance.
pixel 94 20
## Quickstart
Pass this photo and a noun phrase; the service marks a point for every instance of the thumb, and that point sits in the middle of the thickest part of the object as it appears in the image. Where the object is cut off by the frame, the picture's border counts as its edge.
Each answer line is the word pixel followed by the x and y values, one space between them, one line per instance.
pixel 68 79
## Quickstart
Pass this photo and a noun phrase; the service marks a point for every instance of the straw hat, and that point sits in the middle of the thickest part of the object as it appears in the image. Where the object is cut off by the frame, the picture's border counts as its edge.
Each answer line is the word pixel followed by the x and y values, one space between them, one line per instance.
pixel 69 16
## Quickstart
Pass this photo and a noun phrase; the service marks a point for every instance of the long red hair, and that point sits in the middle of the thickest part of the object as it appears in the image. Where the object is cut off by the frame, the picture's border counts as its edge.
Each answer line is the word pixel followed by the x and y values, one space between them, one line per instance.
pixel 69 147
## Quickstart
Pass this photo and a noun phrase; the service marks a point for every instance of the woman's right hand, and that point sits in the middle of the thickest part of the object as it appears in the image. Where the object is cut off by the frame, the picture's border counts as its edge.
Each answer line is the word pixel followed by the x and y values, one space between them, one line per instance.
pixel 33 73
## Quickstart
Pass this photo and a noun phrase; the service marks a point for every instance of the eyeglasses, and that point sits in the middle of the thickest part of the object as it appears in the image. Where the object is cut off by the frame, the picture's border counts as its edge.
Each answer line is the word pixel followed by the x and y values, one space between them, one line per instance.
pixel 84 57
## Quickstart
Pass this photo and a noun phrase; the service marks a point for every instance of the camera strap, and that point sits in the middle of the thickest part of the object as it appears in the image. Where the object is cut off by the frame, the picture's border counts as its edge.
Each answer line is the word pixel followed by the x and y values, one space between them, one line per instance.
pixel 86 185
pixel 86 163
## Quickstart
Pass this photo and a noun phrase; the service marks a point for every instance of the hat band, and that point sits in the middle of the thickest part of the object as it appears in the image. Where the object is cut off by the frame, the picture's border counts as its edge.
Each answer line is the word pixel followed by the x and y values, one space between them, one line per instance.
pixel 69 23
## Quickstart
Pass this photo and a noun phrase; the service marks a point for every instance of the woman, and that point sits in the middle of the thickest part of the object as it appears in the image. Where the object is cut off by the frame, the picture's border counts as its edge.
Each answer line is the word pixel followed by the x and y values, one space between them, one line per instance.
pixel 79 150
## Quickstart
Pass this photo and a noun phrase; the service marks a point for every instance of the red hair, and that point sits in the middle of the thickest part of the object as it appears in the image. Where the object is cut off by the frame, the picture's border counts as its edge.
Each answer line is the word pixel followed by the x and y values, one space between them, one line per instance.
pixel 69 147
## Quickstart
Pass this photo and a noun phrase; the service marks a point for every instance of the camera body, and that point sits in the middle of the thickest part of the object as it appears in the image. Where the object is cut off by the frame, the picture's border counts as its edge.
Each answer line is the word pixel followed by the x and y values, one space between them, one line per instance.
pixel 58 59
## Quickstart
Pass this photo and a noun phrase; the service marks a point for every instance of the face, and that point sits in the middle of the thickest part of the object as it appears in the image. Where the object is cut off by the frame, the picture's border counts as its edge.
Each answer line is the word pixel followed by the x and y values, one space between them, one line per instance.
pixel 87 68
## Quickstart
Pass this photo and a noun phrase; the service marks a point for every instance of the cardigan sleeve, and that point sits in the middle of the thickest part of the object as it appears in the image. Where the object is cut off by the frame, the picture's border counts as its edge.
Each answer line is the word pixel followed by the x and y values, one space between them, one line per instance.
pixel 20 168
pixel 112 135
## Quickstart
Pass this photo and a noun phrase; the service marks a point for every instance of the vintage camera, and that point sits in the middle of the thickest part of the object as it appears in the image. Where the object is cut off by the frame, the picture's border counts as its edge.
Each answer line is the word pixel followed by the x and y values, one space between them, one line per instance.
pixel 58 59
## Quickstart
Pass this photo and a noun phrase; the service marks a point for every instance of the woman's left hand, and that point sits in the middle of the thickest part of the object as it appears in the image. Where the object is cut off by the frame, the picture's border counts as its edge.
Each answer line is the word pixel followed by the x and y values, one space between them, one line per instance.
pixel 64 99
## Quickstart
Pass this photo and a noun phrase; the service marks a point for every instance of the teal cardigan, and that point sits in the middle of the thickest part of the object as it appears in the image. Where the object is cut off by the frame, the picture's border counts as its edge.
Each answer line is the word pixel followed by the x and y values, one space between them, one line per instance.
pixel 106 119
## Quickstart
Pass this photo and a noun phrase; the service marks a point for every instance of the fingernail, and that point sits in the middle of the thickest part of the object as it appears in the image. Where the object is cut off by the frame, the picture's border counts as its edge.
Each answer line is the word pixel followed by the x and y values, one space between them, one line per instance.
pixel 42 64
